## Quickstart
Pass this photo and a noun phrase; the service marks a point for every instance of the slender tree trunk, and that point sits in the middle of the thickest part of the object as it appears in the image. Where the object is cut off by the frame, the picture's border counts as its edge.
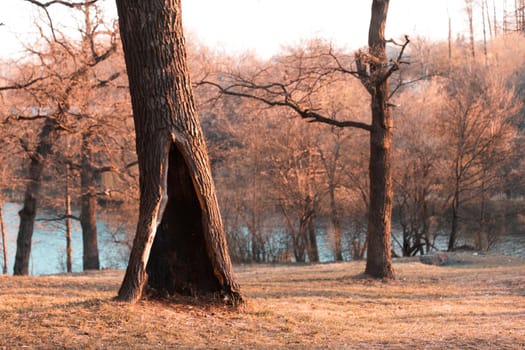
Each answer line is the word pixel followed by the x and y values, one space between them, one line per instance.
pixel 470 15
pixel 179 214
pixel 483 15
pixel 336 223
pixel 303 244
pixel 313 250
pixel 256 246
pixel 505 22
pixel 521 15
pixel 455 220
pixel 379 256
pixel 449 43
pixel 88 206
pixel 4 239
pixel 298 236
pixel 516 15
pixel 486 13
pixel 69 246
pixel 495 18
pixel 482 236
pixel 426 227
pixel 28 211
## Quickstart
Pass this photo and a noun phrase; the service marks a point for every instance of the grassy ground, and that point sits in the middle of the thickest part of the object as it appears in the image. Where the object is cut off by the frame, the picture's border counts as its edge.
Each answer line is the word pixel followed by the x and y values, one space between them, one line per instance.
pixel 476 303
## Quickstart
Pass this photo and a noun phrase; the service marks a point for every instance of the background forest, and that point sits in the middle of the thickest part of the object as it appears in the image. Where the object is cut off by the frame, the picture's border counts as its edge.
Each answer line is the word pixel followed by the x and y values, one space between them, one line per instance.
pixel 289 190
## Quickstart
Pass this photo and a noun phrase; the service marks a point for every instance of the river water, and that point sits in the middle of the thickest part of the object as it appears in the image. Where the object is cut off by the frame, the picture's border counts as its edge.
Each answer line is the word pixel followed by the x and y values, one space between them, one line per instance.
pixel 48 250
pixel 48 253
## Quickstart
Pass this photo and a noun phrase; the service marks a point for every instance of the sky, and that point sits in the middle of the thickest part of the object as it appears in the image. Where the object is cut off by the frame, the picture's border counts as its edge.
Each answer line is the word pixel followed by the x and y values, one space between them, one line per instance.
pixel 265 26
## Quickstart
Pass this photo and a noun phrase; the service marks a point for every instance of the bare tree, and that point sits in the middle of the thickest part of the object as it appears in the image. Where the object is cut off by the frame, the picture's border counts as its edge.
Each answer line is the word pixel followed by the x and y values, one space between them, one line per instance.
pixel 243 170
pixel 373 69
pixel 297 182
pixel 479 123
pixel 68 71
pixel 418 170
pixel 179 220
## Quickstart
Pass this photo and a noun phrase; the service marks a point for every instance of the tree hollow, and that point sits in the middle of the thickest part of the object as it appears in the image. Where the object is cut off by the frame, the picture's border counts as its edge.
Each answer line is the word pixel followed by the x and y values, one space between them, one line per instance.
pixel 179 262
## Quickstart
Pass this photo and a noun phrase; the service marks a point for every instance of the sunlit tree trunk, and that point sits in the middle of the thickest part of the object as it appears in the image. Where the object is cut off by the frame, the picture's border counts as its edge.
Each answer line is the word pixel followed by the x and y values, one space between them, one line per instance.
pixel 179 220
pixel 379 258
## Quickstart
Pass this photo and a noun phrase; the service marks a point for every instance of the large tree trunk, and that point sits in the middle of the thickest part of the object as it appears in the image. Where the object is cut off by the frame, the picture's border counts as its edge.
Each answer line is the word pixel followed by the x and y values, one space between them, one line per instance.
pixel 88 207
pixel 379 258
pixel 28 211
pixel 179 214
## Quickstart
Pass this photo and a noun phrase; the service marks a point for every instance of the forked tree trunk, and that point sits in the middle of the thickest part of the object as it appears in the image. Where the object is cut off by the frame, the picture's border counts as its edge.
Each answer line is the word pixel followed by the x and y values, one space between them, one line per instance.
pixel 28 211
pixel 179 214
pixel 379 256
pixel 88 207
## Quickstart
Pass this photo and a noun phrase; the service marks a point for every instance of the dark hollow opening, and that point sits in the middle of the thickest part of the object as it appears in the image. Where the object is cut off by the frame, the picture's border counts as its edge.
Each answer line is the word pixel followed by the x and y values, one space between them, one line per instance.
pixel 178 261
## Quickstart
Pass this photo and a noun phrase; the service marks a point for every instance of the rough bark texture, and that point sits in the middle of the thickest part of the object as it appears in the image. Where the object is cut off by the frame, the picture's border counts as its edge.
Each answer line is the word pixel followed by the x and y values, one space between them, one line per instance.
pixel 379 259
pixel 178 204
pixel 88 207
pixel 28 211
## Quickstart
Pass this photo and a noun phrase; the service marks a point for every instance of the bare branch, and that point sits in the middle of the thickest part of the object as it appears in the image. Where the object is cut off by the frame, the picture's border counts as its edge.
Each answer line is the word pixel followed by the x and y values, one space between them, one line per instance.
pixel 410 82
pixel 59 218
pixel 25 118
pixel 44 6
pixel 105 82
pixel 395 64
pixel 304 113
pixel 342 69
pixel 132 164
pixel 18 86
pixel 69 4
pixel 105 169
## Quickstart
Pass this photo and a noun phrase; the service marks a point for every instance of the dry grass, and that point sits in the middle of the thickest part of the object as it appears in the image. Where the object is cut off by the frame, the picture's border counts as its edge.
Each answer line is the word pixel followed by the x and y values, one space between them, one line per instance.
pixel 477 303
